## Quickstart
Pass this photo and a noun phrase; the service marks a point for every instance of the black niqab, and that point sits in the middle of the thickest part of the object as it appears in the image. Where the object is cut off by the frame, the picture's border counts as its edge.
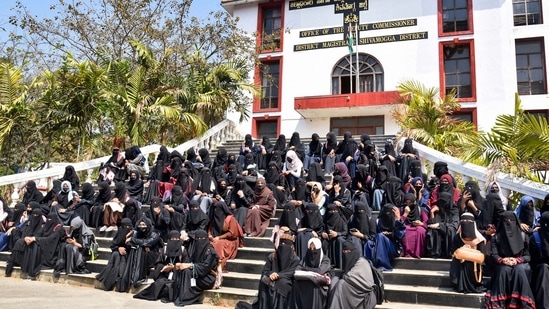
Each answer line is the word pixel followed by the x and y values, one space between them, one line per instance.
pixel 510 242
pixel 350 255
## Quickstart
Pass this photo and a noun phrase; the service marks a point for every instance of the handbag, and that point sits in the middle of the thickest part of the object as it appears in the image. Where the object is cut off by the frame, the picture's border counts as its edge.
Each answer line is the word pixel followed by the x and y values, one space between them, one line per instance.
pixel 469 254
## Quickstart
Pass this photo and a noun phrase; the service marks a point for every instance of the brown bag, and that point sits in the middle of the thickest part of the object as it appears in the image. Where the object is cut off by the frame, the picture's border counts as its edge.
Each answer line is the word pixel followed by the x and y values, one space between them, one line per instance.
pixel 472 255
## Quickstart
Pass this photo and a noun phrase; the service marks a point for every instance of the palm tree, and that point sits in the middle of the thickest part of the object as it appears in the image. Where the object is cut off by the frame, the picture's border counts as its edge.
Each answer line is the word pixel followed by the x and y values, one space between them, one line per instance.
pixel 517 144
pixel 426 117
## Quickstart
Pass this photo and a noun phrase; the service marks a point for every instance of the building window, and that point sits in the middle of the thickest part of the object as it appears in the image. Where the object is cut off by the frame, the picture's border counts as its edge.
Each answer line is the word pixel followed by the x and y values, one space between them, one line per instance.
pixel 530 67
pixel 270 81
pixel 370 76
pixel 373 125
pixel 458 69
pixel 271 28
pixel 527 12
pixel 267 128
pixel 456 15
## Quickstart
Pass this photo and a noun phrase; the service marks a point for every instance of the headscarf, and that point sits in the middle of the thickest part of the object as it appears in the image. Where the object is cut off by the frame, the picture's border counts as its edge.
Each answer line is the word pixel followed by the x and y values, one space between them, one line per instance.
pixel 205 156
pixel 132 210
pixel 147 232
pixel 341 169
pixel 300 192
pixel 526 214
pixel 173 247
pixel 71 176
pixel 349 258
pixel 32 193
pixel 315 148
pixel 261 193
pixel 105 193
pixel 415 212
pixel 52 220
pixel 284 254
pixel 119 239
pixel 178 197
pixel 387 218
pixel 120 191
pixel 67 192
pixel 415 169
pixel 334 220
pixel 273 173
pixel 191 155
pixel 311 217
pixel 361 220
pixel 200 245
pixel 393 191
pixel 491 204
pixel 196 215
pixel 204 181
pixel 163 155
pixel 265 142
pixel 503 199
pixel 134 186
pixel 232 174
pixel 87 191
pixel 280 143
pixel 331 142
pixel 510 242
pixel 295 141
pixel 288 217
pixel 81 229
pixel 248 142
pixel 277 158
pixel 468 231
pixel 220 212
pixel 221 158
pixel 474 189
pixel 544 234
pixel 34 223
pixel 314 257
pixel 293 163
pixel 18 211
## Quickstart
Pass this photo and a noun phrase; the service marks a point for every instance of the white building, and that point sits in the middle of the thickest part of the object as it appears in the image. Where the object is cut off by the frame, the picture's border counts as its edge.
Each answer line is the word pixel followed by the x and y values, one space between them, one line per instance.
pixel 486 49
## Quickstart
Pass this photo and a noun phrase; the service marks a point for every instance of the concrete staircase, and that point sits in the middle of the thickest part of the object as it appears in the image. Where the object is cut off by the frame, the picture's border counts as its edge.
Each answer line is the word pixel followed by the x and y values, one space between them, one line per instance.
pixel 412 284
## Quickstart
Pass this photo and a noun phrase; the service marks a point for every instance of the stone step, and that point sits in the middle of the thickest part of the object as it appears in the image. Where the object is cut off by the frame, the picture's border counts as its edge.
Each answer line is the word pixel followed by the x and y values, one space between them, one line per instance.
pixel 423 264
pixel 245 266
pixel 241 280
pixel 416 277
pixel 434 296
pixel 253 253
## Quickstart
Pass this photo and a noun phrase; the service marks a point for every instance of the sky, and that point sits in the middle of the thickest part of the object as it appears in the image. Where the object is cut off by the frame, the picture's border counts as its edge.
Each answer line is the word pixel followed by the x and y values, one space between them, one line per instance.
pixel 199 8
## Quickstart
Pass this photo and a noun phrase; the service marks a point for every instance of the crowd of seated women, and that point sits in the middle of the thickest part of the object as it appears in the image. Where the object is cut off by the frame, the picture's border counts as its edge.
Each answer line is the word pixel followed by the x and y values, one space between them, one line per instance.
pixel 328 193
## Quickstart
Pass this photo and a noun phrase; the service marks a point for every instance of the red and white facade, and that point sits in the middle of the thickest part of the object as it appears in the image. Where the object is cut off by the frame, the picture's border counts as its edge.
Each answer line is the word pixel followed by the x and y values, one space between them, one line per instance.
pixel 485 50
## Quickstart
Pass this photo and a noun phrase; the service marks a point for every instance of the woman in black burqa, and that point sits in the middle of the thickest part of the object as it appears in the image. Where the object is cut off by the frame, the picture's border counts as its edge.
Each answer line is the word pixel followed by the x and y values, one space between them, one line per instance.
pixel 539 250
pixel 163 275
pixel 276 278
pixel 73 254
pixel 462 273
pixel 30 228
pixel 142 255
pixel 510 285
pixel 198 275
pixel 113 272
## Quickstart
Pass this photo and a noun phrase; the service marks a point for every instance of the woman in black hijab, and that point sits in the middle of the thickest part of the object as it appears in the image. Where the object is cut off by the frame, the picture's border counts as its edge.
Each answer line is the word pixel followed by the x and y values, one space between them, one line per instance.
pixel 277 183
pixel 160 218
pixel 241 198
pixel 144 244
pixel 163 275
pixel 388 239
pixel 135 186
pixel 315 152
pixel 280 146
pixel 276 277
pixel 73 253
pixel 49 240
pixel 204 158
pixel 190 279
pixel 21 254
pixel 442 226
pixel 71 176
pixel 463 275
pixel 31 193
pixel 196 220
pixel 539 250
pixel 248 147
pixel 388 158
pixel 328 153
pixel 362 226
pixel 311 278
pixel 335 232
pixel 264 152
pixel 510 284
pixel 219 168
pixel 296 145
pixel 103 196
pixel 311 225
pixel 120 247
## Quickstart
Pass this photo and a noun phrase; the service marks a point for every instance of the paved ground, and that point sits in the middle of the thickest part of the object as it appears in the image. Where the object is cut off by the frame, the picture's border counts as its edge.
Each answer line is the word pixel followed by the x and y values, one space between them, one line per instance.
pixel 37 294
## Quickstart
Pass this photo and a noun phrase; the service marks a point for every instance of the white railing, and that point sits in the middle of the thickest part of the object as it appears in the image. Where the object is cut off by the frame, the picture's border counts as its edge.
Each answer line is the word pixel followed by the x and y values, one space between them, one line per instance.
pixel 470 171
pixel 225 130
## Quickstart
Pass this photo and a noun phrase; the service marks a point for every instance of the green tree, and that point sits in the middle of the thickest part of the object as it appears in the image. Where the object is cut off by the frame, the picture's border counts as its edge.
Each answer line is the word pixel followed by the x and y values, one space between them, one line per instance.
pixel 517 144
pixel 426 117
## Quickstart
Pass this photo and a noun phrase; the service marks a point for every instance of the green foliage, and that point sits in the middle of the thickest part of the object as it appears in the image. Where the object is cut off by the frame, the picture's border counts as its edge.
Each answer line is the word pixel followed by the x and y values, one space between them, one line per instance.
pixel 427 118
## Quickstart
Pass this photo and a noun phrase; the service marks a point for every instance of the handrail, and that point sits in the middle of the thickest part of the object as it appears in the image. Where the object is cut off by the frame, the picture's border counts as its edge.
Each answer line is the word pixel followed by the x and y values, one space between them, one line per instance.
pixel 223 131
pixel 507 182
